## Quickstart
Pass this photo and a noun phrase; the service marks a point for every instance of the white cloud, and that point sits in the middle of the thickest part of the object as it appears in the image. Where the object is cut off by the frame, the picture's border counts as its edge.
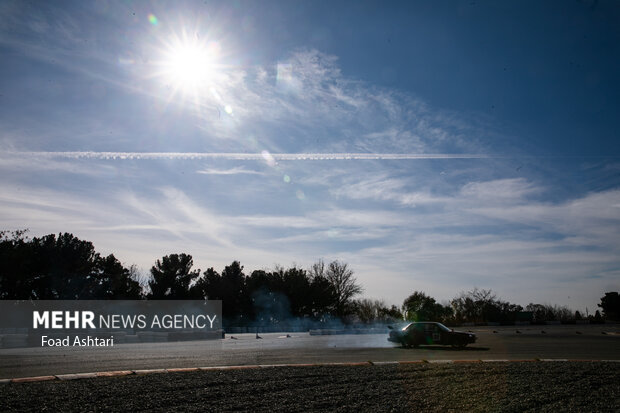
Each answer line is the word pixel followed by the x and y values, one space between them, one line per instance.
pixel 500 190
pixel 231 171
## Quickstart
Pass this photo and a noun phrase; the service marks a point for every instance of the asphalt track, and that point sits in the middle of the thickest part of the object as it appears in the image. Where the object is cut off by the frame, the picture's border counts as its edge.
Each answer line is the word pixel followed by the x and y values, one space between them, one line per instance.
pixel 587 342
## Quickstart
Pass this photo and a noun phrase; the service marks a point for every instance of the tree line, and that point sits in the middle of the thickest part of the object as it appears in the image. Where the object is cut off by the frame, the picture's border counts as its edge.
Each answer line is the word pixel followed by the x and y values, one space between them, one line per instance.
pixel 483 306
pixel 65 267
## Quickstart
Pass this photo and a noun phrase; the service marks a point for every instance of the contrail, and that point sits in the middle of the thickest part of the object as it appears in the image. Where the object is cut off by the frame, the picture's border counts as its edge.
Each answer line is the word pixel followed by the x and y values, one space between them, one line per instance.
pixel 246 156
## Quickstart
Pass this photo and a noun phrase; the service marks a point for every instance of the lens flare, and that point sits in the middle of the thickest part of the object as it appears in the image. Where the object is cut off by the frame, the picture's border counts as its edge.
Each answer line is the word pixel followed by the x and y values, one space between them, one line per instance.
pixel 215 94
pixel 268 158
pixel 153 20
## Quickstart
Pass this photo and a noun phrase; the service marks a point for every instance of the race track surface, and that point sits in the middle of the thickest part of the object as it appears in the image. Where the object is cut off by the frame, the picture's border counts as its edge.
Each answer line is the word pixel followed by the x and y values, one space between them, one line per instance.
pixel 557 342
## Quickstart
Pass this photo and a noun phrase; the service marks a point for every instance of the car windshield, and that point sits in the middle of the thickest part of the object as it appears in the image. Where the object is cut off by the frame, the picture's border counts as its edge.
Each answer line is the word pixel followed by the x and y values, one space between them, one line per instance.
pixel 421 325
pixel 444 328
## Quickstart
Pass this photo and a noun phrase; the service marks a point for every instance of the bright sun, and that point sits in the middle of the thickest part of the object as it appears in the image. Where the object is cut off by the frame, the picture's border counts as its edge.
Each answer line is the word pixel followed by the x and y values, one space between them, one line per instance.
pixel 189 64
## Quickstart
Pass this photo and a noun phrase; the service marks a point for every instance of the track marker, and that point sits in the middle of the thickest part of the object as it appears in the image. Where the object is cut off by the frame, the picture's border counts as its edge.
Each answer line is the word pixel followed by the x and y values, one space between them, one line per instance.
pixel 33 379
pixel 76 376
pixel 182 369
pixel 117 373
pixel 153 371
pixel 467 361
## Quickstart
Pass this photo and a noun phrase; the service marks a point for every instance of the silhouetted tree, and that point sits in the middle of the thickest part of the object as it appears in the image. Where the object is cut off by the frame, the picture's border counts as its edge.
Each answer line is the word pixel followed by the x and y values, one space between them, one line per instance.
pixel 598 318
pixel 172 277
pixel 418 307
pixel 474 305
pixel 391 315
pixel 610 303
pixel 508 311
pixel 230 287
pixel 209 286
pixel 60 267
pixel 268 304
pixel 16 266
pixel 480 305
pixel 317 269
pixel 421 307
pixel 367 310
pixel 547 312
pixel 295 286
pixel 65 267
pixel 321 295
pixel 113 281
pixel 375 311
pixel 343 285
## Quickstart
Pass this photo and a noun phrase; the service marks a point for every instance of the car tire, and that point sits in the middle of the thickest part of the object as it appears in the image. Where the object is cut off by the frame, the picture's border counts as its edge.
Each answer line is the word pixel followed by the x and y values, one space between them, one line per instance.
pixel 459 344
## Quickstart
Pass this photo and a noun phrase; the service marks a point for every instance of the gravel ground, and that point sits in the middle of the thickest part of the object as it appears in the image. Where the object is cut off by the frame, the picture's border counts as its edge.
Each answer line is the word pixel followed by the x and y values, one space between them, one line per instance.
pixel 505 387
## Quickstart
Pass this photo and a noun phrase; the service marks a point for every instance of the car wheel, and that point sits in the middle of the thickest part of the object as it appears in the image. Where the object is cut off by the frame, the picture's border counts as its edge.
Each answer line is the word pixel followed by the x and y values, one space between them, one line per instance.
pixel 459 344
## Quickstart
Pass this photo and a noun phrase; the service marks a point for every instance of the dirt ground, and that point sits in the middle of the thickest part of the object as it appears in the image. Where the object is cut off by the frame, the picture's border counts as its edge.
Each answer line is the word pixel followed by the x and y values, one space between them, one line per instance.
pixel 497 387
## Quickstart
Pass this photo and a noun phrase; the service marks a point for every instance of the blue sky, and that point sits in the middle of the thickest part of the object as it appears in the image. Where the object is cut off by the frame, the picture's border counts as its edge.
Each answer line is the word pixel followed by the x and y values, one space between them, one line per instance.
pixel 434 147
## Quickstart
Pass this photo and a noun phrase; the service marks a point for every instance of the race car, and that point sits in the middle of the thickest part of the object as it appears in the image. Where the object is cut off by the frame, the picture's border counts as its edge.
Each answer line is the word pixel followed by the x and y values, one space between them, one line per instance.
pixel 418 333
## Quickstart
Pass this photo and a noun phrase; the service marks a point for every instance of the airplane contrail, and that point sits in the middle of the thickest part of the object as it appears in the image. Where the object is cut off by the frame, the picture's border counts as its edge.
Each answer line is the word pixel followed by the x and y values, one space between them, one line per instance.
pixel 245 156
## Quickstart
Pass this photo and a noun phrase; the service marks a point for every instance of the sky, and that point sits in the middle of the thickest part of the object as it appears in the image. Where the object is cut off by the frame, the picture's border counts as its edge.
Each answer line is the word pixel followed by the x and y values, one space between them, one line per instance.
pixel 433 147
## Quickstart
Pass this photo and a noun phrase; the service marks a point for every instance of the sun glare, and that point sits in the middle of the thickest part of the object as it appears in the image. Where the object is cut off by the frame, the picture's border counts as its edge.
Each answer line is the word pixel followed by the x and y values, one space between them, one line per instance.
pixel 190 68
pixel 189 64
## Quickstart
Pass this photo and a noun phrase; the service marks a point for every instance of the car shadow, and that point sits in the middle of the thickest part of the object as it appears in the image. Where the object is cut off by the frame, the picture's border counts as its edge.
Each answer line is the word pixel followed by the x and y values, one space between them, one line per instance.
pixel 446 348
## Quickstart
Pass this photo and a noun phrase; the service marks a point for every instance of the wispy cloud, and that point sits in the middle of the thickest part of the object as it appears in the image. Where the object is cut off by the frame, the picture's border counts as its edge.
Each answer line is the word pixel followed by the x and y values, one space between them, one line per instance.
pixel 231 171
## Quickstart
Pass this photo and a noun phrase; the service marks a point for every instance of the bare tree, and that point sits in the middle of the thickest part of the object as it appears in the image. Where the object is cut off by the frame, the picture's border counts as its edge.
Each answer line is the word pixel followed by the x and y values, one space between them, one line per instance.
pixel 367 310
pixel 320 292
pixel 471 305
pixel 482 295
pixel 344 286
pixel 317 269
